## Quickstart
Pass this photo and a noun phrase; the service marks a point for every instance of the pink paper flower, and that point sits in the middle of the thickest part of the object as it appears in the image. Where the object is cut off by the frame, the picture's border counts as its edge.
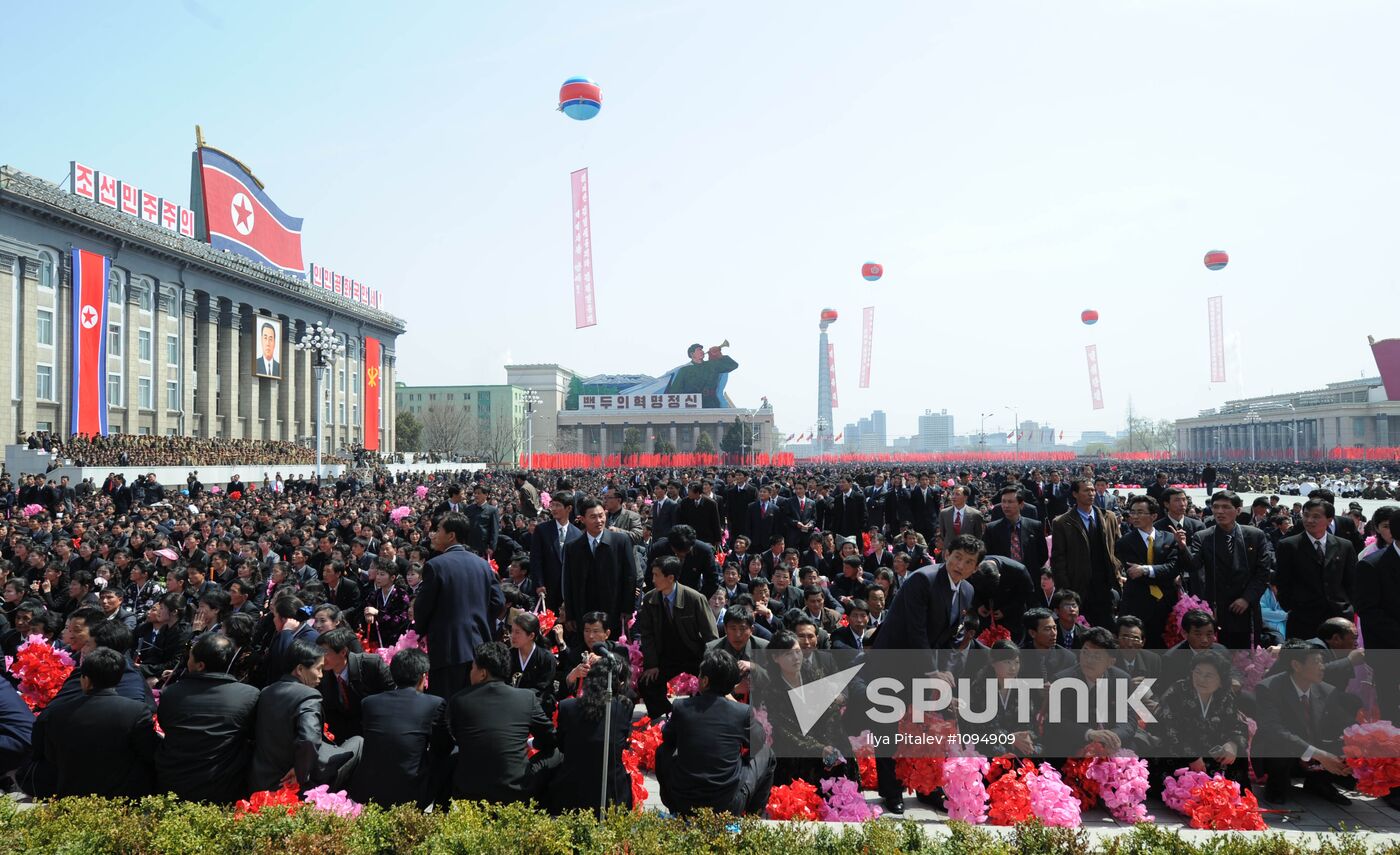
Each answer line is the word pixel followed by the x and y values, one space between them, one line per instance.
pixel 1252 665
pixel 844 802
pixel 397 514
pixel 30 510
pixel 1173 635
pixel 1122 781
pixel 964 789
pixel 1177 787
pixel 1052 800
pixel 420 491
pixel 336 802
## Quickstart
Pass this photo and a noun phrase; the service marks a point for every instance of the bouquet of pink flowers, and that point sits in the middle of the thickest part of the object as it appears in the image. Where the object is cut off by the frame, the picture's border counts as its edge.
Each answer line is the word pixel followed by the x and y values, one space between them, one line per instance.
pixel 336 802
pixel 844 802
pixel 683 684
pixel 399 513
pixel 1052 801
pixel 409 640
pixel 963 788
pixel 30 510
pixel 1252 665
pixel 1372 750
pixel 1173 634
pixel 420 491
pixel 1177 787
pixel 1122 781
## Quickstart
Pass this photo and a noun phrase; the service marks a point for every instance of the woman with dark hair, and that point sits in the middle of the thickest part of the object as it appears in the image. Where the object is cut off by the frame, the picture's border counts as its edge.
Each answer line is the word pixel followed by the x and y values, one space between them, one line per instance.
pixel 532 666
pixel 386 605
pixel 327 617
pixel 161 640
pixel 239 628
pixel 1010 730
pixel 580 737
pixel 1199 721
pixel 808 754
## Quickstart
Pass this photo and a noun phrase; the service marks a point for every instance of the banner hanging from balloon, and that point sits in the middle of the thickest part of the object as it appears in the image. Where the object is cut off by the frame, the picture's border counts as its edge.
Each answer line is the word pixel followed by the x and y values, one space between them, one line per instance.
pixel 1091 352
pixel 831 369
pixel 585 312
pixel 1215 312
pixel 866 344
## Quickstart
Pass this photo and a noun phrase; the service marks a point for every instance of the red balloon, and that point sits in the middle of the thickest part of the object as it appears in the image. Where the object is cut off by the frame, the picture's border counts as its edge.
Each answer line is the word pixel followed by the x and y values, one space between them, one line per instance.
pixel 1089 317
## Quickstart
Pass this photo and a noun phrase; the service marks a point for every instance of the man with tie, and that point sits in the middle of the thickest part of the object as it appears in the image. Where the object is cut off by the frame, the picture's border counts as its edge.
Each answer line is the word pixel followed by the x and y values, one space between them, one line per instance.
pixel 700 513
pixel 1057 499
pixel 484 520
pixel 663 508
pixel 799 515
pixel 1301 719
pixel 1174 517
pixel 737 498
pixel 1316 573
pixel 547 549
pixel 1342 526
pixel 1149 557
pixel 926 615
pixel 1230 567
pixel 268 363
pixel 454 504
pixel 764 520
pixel 1104 500
pixel 600 571
pixel 1014 536
pixel 848 510
pixel 673 625
pixel 1378 607
pixel 1083 559
pixel 960 518
pixel 924 503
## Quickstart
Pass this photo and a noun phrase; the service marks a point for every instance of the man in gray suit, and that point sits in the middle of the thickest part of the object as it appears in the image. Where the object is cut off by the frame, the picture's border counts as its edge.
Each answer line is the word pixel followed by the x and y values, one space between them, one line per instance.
pixel 620 519
pixel 960 518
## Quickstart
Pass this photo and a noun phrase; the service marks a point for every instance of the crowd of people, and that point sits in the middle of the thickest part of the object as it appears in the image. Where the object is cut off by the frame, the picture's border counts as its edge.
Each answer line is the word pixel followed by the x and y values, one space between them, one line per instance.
pixel 126 449
pixel 256 614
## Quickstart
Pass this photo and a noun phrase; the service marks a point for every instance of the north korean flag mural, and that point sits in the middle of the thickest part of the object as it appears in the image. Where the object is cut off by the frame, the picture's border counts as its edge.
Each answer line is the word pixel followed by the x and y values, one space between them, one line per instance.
pixel 373 376
pixel 89 383
pixel 239 217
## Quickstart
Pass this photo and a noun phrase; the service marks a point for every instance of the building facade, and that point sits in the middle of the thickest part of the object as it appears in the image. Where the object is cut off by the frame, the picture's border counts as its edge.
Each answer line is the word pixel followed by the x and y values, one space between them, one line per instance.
pixel 1349 414
pixel 489 421
pixel 183 331
pixel 935 432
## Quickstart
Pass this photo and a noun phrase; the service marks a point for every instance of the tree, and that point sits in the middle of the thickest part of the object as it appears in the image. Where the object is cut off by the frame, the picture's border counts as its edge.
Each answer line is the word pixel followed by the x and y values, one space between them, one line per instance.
pixel 575 389
pixel 408 431
pixel 738 439
pixel 566 440
pixel 447 430
pixel 703 443
pixel 631 442
pixel 664 446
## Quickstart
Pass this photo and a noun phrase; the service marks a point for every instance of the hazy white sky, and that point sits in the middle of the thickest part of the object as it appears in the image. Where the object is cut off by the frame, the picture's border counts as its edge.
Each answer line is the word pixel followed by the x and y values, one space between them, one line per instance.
pixel 1009 163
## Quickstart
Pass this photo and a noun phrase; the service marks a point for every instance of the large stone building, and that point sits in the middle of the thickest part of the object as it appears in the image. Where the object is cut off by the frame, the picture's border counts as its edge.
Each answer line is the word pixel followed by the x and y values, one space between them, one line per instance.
pixel 488 421
pixel 1349 414
pixel 183 331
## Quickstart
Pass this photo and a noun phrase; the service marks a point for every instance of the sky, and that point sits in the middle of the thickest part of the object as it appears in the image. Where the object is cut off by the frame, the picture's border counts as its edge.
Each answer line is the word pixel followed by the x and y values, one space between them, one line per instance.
pixel 1010 164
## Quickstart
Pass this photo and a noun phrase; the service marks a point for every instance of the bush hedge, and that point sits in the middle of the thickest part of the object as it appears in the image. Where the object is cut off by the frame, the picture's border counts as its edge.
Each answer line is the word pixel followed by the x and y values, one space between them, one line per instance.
pixel 160 825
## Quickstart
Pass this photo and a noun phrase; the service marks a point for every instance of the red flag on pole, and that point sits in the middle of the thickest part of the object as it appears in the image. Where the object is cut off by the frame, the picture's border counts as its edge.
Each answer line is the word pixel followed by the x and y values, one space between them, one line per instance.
pixel 373 399
pixel 585 312
pixel 89 382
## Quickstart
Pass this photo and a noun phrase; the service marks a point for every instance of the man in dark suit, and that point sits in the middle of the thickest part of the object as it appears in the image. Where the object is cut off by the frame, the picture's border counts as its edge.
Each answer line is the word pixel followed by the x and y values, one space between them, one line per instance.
pixel 1066 737
pixel 926 615
pixel 799 516
pixel 1174 514
pixel 1150 562
pixel 1132 658
pixel 483 524
pixel 457 601
pixel 16 730
pixel 207 719
pixel 737 498
pixel 700 513
pixel 1057 496
pixel 925 500
pixel 1378 607
pixel 880 504
pixel 960 518
pixel 663 509
pixel 674 625
pixel 547 549
pixel 289 730
pixel 1301 719
pixel 1316 573
pixel 453 504
pixel 1083 559
pixel 1157 490
pixel 1230 568
pixel 699 569
pixel 700 762
pixel 343 593
pixel 348 679
pixel 848 510
pixel 1003 591
pixel 1342 526
pixel 602 572
pixel 490 722
pixel 764 517
pixel 407 743
pixel 1018 538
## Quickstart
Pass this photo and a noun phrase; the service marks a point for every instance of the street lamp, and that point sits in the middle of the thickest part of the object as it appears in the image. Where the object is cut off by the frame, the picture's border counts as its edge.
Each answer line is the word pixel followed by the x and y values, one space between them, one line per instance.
pixel 532 400
pixel 1016 426
pixel 1295 432
pixel 1252 419
pixel 325 346
pixel 982 431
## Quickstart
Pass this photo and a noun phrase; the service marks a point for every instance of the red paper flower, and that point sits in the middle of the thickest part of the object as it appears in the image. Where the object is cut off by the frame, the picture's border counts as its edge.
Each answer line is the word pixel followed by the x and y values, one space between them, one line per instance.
pixel 1372 751
pixel 646 738
pixel 286 797
pixel 1075 774
pixel 41 670
pixel 630 762
pixel 1218 805
pixel 236 495
pixel 798 800
pixel 547 621
pixel 1010 799
pixel 994 633
pixel 326 732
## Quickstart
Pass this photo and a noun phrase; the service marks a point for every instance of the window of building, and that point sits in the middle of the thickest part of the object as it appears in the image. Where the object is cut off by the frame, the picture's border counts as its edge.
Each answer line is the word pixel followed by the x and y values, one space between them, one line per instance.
pixel 143 431
pixel 172 395
pixel 172 350
pixel 43 329
pixel 114 340
pixel 143 392
pixel 115 428
pixel 143 345
pixel 44 426
pixel 1358 427
pixel 114 391
pixel 355 414
pixel 43 382
pixel 145 295
pixel 48 270
pixel 114 289
pixel 170 431
pixel 342 412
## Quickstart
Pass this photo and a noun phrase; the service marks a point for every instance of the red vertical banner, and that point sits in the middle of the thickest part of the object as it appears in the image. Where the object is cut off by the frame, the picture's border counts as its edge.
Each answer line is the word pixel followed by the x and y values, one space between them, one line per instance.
pixel 585 312
pixel 374 372
pixel 867 341
pixel 831 369
pixel 1387 355
pixel 1215 312
pixel 89 381
pixel 1091 352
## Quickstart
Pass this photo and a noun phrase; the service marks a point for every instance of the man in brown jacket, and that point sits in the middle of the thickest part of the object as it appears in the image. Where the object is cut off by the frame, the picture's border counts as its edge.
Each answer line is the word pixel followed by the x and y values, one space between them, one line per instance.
pixel 674 624
pixel 1082 554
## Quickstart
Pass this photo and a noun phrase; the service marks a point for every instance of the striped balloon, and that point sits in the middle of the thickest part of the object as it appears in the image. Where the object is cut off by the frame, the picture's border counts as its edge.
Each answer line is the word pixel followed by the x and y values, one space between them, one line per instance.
pixel 1089 317
pixel 1216 259
pixel 871 271
pixel 580 98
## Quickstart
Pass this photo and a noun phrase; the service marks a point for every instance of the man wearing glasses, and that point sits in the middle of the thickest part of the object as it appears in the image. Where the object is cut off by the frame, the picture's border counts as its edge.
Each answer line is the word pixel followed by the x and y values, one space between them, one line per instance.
pixel 1150 562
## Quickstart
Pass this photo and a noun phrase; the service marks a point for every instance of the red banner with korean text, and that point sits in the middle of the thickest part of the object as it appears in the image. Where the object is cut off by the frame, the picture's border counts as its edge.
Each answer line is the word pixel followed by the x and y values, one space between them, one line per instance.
pixel 1091 352
pixel 1215 312
pixel 374 373
pixel 585 312
pixel 867 342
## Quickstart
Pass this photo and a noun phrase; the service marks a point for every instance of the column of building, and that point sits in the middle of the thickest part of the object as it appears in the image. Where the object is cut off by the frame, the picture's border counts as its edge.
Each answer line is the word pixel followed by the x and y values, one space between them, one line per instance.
pixel 205 364
pixel 284 393
pixel 248 384
pixel 190 422
pixel 27 286
pixel 229 366
pixel 131 364
pixel 388 403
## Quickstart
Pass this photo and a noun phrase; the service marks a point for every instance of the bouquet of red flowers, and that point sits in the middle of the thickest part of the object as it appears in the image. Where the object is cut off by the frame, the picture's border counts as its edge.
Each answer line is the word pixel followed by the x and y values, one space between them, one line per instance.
pixel 547 621
pixel 286 797
pixel 41 671
pixel 646 738
pixel 1010 797
pixel 798 800
pixel 994 633
pixel 1372 750
pixel 1075 774
pixel 918 763
pixel 631 762
pixel 1217 804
